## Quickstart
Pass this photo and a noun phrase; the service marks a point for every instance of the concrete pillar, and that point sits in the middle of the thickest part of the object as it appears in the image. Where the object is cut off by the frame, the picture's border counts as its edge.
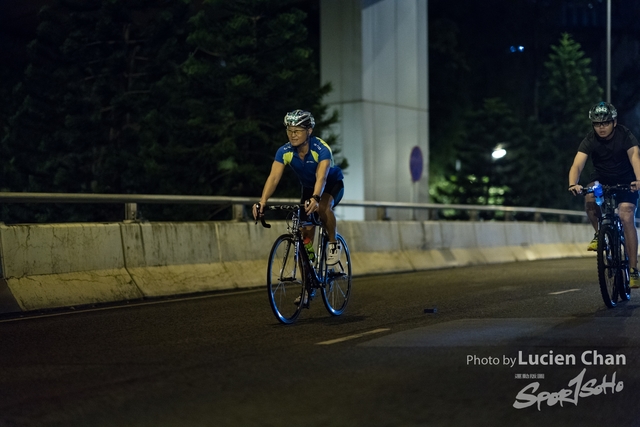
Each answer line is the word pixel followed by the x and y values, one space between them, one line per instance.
pixel 375 53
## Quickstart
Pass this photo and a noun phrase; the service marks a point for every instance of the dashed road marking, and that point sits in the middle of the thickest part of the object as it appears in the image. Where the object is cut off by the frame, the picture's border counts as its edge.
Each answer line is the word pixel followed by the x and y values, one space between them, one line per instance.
pixel 352 337
pixel 563 292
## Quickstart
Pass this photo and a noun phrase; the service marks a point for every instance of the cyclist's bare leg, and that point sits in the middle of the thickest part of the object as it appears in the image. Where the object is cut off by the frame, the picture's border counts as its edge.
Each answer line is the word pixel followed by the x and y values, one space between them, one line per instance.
pixel 627 212
pixel 308 232
pixel 593 210
pixel 327 216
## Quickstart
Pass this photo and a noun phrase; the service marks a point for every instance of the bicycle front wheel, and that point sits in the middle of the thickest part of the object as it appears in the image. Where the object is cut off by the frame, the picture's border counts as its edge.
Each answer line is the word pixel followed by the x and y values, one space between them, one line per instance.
pixel 284 280
pixel 624 289
pixel 609 270
pixel 336 288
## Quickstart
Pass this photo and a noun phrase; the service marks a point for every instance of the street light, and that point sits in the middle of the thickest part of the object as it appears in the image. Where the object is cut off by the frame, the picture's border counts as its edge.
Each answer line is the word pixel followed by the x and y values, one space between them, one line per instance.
pixel 609 51
pixel 498 152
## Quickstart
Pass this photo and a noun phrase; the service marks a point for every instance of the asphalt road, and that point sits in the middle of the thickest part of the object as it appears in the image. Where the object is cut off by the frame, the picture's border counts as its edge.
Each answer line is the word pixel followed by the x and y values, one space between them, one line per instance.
pixel 534 335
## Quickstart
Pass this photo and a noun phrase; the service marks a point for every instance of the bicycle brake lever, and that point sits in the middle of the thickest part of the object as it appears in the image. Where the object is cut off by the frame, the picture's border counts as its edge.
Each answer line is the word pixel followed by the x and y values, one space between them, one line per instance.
pixel 261 216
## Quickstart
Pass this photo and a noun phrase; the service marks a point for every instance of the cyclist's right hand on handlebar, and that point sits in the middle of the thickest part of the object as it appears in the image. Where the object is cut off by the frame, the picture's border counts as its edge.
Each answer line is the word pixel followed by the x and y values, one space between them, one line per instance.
pixel 258 211
pixel 575 189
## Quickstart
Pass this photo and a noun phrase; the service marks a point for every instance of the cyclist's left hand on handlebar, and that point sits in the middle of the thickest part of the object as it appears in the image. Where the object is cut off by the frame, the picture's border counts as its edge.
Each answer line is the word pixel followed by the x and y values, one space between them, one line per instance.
pixel 576 189
pixel 311 205
pixel 635 185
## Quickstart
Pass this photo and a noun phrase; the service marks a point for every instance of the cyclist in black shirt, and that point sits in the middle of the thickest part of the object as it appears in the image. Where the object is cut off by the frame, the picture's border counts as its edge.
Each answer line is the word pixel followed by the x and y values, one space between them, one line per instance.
pixel 616 160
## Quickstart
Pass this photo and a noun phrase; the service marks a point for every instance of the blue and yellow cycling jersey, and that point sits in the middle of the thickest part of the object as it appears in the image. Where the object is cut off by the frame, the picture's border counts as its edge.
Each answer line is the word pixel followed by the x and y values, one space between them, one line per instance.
pixel 305 168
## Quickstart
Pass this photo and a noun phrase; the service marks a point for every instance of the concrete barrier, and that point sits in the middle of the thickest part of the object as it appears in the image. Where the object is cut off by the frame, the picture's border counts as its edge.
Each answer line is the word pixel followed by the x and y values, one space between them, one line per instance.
pixel 382 247
pixel 177 258
pixel 61 265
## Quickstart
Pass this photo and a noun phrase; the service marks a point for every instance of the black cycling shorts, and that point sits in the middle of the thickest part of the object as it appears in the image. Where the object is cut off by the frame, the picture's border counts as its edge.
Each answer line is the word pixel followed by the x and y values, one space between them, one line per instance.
pixel 627 196
pixel 336 189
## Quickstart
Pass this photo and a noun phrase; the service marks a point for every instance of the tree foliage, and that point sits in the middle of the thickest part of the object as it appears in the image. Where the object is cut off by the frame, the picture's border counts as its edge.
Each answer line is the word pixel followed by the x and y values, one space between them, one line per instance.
pixel 250 63
pixel 539 149
pixel 148 96
pixel 476 177
pixel 85 94
pixel 448 100
pixel 569 91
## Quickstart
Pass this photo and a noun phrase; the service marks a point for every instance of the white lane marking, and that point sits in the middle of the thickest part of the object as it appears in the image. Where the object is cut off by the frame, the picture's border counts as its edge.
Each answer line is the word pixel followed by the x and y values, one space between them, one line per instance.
pixel 563 292
pixel 352 337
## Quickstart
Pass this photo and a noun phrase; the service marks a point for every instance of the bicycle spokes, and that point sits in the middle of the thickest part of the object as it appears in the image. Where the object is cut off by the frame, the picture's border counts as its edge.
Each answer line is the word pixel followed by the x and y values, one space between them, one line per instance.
pixel 336 288
pixel 284 280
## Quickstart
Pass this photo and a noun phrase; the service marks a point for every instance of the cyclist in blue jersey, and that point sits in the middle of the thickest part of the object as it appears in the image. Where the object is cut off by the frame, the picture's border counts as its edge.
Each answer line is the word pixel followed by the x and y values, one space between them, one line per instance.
pixel 312 161
pixel 616 160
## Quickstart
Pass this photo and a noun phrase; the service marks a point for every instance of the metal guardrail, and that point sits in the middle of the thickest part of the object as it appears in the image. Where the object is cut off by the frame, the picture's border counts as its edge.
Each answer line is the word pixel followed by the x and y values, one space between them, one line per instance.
pixel 131 201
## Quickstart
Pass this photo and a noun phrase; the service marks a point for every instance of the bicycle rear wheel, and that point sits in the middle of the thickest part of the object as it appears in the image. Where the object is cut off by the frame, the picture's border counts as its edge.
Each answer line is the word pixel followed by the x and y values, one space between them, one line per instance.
pixel 609 271
pixel 336 288
pixel 284 280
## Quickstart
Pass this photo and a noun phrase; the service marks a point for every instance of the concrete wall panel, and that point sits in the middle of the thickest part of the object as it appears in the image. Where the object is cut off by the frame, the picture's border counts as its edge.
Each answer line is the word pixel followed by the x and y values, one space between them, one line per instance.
pixel 46 291
pixel 59 248
pixel 57 265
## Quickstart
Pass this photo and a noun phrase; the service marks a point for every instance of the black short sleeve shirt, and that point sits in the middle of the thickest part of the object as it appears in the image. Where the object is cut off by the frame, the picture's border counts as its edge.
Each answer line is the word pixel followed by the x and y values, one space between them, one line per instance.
pixel 610 158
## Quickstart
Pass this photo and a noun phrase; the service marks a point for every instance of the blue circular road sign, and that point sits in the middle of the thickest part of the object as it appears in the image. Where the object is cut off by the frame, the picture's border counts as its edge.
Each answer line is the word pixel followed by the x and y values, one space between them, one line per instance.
pixel 416 163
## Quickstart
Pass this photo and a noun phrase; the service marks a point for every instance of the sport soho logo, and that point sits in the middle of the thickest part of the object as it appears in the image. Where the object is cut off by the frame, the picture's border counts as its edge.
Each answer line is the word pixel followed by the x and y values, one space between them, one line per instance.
pixel 577 388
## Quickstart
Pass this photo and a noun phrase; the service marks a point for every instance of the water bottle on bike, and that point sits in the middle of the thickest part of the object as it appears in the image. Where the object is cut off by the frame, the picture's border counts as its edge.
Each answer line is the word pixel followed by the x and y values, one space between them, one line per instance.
pixel 597 192
pixel 308 245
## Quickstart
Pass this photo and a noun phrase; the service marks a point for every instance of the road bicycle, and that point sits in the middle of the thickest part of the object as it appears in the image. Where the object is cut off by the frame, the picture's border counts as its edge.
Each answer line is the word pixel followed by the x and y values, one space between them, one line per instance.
pixel 293 278
pixel 613 260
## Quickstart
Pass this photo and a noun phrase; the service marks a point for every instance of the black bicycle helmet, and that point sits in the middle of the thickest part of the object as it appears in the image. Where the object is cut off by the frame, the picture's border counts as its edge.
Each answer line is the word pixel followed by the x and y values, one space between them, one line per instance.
pixel 299 118
pixel 603 112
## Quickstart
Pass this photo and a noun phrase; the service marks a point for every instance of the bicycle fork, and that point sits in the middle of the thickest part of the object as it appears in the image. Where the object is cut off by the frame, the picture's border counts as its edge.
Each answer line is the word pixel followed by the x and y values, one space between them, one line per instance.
pixel 308 272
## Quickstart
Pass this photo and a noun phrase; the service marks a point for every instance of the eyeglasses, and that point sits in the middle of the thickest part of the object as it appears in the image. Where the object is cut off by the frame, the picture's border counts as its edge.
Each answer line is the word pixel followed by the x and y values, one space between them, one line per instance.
pixel 602 124
pixel 296 132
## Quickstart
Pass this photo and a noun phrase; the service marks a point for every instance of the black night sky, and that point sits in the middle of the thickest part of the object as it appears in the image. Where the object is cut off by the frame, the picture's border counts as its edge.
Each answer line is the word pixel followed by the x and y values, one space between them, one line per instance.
pixel 488 30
